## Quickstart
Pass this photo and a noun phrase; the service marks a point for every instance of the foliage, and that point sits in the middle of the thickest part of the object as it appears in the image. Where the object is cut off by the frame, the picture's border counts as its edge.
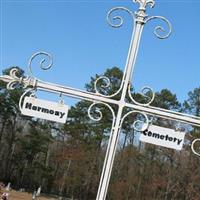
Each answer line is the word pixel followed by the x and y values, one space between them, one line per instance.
pixel 67 159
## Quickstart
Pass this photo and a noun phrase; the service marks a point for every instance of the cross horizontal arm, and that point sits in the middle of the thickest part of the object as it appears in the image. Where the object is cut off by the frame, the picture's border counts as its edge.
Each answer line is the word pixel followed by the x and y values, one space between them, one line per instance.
pixel 75 93
pixel 12 80
pixel 167 114
pixel 159 112
pixel 84 95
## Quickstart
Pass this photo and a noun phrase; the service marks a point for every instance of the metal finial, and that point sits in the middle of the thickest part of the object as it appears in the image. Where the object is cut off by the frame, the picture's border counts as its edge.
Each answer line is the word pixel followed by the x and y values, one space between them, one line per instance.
pixel 145 3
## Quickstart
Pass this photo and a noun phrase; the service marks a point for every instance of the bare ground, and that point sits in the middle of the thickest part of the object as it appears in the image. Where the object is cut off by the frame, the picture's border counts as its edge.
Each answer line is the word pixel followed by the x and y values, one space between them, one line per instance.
pixel 14 195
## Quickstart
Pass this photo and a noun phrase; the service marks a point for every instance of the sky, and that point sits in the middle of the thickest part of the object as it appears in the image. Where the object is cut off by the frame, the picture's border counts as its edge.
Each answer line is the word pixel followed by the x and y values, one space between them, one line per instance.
pixel 82 43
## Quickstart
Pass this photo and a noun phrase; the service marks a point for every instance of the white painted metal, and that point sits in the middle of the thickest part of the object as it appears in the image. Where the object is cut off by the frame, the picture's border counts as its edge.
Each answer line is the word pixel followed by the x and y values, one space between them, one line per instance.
pixel 97 98
pixel 193 149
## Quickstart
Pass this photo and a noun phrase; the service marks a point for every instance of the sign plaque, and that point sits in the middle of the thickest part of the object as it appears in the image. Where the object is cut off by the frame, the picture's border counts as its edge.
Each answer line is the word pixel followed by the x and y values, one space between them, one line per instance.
pixel 43 109
pixel 163 137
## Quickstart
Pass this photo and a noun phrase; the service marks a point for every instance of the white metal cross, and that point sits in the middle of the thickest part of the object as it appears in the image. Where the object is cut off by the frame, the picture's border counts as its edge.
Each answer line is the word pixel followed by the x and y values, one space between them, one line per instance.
pixel 140 19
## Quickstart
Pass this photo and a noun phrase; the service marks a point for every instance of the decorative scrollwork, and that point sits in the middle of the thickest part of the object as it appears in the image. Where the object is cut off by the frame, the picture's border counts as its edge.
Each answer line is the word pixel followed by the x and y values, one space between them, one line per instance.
pixel 160 28
pixel 138 125
pixel 144 3
pixel 104 82
pixel 98 112
pixel 42 65
pixel 117 18
pixel 13 80
pixel 29 91
pixel 146 92
pixel 193 148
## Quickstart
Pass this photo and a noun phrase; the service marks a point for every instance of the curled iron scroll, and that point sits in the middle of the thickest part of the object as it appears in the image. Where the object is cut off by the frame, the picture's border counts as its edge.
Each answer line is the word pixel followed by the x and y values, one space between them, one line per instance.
pixel 146 92
pixel 104 83
pixel 159 29
pixel 118 19
pixel 143 124
pixel 99 113
pixel 42 62
pixel 104 80
pixel 193 148
pixel 30 92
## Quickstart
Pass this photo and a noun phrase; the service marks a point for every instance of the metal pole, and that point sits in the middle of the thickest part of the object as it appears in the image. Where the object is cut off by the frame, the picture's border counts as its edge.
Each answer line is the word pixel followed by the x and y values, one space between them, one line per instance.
pixel 112 147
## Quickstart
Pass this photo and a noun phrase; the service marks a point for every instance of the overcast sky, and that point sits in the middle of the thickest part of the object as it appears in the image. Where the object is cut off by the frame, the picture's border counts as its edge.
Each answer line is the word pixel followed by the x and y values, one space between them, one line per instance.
pixel 82 43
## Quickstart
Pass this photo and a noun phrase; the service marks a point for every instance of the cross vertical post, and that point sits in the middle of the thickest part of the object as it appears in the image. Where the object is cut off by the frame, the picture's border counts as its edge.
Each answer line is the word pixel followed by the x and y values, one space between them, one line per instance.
pixel 112 146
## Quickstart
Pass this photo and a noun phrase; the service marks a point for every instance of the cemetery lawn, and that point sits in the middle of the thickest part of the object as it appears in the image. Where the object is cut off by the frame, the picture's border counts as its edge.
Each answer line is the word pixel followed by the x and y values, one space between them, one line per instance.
pixel 15 195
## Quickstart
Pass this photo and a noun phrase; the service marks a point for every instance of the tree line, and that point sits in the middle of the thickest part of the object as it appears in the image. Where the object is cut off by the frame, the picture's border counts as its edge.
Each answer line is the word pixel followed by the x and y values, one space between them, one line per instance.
pixel 67 159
